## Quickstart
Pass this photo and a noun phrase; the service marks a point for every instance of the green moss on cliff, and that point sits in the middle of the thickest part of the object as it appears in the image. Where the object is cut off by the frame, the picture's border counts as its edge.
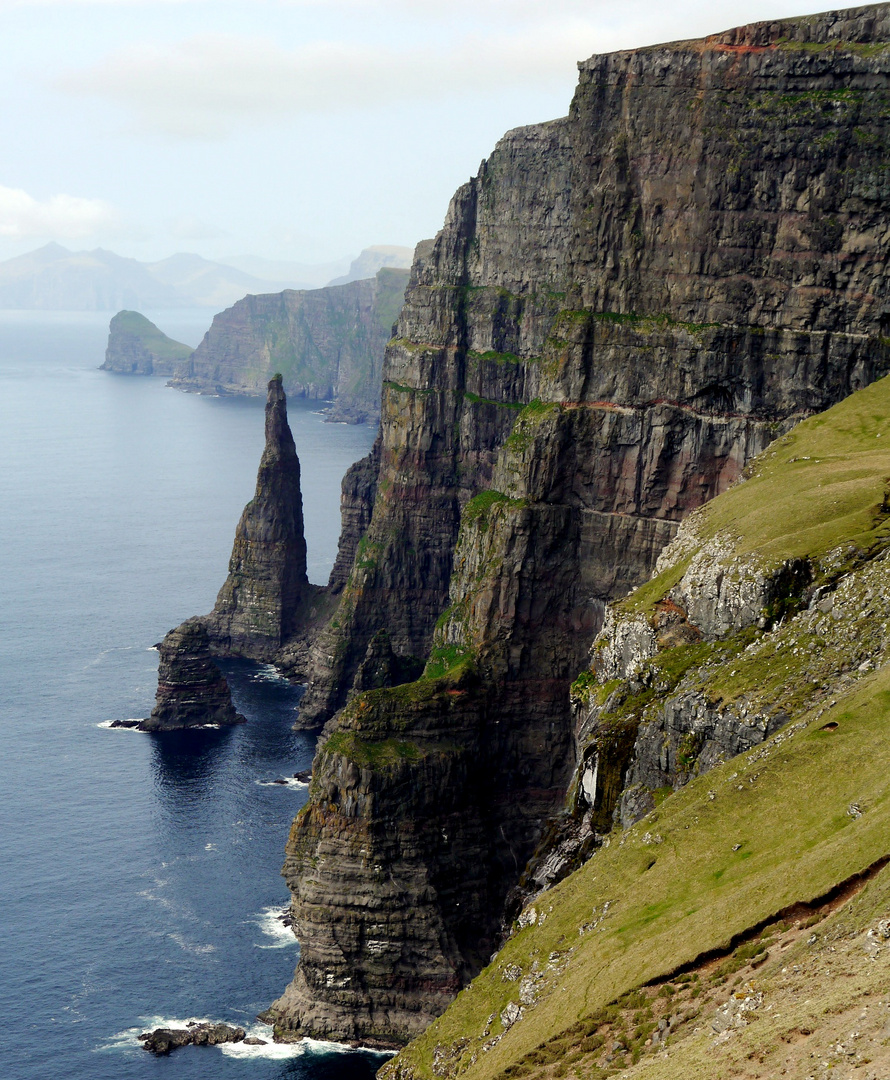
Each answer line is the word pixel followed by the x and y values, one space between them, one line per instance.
pixel 480 506
pixel 371 753
pixel 475 399
pixel 528 423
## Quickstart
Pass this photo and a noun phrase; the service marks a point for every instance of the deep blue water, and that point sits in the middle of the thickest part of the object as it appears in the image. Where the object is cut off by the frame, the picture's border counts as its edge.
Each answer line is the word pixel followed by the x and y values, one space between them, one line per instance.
pixel 139 874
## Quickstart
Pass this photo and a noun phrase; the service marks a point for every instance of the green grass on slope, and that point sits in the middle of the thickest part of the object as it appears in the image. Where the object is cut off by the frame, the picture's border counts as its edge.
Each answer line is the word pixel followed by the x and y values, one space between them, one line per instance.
pixel 767 829
pixel 821 485
pixel 131 322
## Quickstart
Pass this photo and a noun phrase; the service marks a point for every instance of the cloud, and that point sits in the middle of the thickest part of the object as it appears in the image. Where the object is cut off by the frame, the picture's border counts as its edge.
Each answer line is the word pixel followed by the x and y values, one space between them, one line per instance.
pixel 379 53
pixel 189 227
pixel 65 217
pixel 202 86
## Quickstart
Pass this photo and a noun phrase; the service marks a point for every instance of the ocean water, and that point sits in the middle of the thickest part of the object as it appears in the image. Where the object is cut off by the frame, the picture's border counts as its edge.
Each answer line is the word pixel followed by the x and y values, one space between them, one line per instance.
pixel 139 874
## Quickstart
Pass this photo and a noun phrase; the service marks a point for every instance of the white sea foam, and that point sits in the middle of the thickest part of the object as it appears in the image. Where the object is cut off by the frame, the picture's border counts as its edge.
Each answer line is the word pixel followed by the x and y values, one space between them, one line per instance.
pixel 289 781
pixel 107 724
pixel 128 1039
pixel 268 673
pixel 269 921
pixel 269 1050
pixel 191 946
pixel 287 1050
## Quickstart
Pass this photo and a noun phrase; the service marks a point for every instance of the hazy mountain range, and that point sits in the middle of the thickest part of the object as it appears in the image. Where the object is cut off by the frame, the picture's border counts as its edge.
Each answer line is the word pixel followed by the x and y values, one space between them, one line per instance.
pixel 53 278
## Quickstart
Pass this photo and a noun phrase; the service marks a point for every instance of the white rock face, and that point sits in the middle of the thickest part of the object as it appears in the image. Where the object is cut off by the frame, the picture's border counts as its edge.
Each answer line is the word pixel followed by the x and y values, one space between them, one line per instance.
pixel 623 646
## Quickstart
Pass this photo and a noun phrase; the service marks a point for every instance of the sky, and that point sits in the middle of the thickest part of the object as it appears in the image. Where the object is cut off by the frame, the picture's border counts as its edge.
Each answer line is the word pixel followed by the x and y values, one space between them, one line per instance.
pixel 301 130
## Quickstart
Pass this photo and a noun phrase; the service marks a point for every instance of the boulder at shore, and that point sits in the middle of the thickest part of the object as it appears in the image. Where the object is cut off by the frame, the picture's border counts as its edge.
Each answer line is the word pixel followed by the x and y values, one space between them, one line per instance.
pixel 163 1040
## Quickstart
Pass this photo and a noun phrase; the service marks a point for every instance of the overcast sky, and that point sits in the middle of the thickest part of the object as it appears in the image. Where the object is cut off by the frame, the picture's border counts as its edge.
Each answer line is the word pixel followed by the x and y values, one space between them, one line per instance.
pixel 290 129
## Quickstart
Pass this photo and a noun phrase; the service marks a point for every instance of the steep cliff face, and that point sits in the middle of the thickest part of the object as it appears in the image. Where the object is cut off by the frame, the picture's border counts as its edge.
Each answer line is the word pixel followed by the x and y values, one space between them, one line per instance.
pixel 327 343
pixel 622 308
pixel 137 347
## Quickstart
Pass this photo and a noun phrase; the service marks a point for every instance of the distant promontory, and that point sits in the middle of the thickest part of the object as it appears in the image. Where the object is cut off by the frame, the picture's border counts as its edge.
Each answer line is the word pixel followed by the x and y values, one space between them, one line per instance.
pixel 327 343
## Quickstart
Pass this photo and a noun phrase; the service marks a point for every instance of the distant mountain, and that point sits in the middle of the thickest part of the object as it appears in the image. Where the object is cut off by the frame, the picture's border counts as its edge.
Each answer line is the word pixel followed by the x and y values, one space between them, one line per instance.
pixel 211 284
pixel 373 259
pixel 298 275
pixel 53 278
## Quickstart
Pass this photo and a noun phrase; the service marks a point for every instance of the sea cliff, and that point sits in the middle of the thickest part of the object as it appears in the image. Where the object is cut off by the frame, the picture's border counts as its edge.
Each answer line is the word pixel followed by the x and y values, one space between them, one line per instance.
pixel 327 344
pixel 622 309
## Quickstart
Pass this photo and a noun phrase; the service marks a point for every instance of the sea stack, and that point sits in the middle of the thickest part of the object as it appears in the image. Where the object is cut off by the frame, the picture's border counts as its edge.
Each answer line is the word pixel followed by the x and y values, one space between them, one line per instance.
pixel 192 691
pixel 257 607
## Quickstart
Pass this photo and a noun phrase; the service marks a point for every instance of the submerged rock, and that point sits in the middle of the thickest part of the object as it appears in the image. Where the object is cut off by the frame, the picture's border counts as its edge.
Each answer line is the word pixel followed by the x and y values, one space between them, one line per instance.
pixel 192 691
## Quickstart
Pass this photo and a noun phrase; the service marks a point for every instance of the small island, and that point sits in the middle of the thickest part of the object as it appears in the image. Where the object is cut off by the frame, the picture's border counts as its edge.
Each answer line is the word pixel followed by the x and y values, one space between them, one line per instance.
pixel 137 347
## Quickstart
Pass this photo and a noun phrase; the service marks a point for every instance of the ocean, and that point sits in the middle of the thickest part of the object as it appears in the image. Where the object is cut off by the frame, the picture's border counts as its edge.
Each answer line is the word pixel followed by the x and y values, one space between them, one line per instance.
pixel 139 874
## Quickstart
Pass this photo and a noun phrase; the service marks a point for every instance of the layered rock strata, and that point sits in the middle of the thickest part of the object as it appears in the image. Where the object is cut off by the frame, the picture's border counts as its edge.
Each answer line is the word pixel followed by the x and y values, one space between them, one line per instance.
pixel 137 347
pixel 327 343
pixel 192 691
pixel 622 308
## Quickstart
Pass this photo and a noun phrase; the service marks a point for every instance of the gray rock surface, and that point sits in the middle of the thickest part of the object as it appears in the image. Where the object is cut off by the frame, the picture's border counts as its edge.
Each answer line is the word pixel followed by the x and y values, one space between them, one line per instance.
pixel 162 1041
pixel 265 595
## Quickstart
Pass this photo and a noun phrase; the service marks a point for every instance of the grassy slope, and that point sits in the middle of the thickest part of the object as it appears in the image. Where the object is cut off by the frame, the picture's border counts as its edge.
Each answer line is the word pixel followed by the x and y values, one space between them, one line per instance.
pixel 814 489
pixel 785 803
pixel 153 339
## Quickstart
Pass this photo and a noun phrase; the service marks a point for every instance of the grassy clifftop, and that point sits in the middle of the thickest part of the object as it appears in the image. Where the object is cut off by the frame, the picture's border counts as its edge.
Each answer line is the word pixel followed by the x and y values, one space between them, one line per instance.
pixel 736 928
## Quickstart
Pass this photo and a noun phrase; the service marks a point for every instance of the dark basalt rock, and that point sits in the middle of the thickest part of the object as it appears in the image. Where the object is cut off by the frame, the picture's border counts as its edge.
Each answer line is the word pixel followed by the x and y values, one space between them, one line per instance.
pixel 267 590
pixel 163 1040
pixel 192 691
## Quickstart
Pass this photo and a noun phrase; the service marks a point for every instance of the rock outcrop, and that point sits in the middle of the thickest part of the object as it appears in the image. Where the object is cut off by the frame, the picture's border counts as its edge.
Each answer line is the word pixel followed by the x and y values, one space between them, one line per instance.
pixel 327 344
pixel 162 1041
pixel 192 691
pixel 264 598
pixel 623 307
pixel 137 347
